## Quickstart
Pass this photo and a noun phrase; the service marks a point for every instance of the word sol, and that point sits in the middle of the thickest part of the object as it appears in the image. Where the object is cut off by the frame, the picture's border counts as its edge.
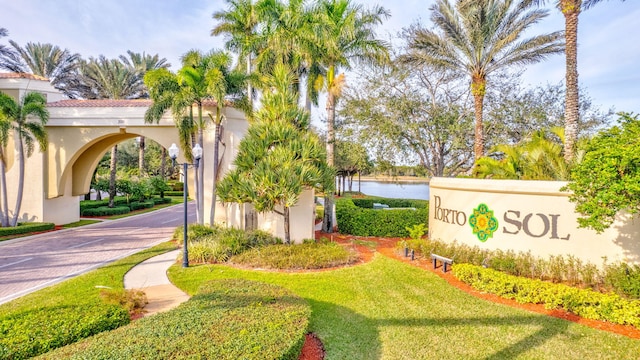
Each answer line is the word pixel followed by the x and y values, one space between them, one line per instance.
pixel 549 224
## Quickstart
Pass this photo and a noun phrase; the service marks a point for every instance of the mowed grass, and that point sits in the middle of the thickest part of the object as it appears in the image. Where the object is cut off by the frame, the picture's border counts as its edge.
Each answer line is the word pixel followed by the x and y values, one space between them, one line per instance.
pixel 386 309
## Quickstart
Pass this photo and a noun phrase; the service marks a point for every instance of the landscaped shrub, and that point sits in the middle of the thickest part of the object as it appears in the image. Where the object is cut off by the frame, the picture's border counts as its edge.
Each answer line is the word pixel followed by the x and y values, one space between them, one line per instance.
pixel 215 244
pixel 24 228
pixel 176 186
pixel 583 302
pixel 623 278
pixel 309 255
pixel 158 201
pixel 619 277
pixel 227 319
pixel 137 205
pixel 92 204
pixel 106 211
pixel 173 193
pixel 361 221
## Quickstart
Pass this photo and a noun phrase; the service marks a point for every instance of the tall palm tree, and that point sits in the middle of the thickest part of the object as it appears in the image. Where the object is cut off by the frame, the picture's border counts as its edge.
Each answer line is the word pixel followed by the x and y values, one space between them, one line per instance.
pixel 27 118
pixel 104 78
pixel 347 33
pixel 6 52
pixel 46 60
pixel 202 77
pixel 478 38
pixel 142 63
pixel 239 24
pixel 571 10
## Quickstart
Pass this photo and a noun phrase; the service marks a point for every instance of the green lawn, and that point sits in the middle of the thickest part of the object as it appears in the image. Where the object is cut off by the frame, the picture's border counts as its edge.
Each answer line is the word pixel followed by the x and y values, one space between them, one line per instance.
pixel 386 309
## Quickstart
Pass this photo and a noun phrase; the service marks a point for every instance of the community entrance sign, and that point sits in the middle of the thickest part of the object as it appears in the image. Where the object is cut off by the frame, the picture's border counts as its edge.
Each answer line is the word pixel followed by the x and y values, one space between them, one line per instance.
pixel 528 216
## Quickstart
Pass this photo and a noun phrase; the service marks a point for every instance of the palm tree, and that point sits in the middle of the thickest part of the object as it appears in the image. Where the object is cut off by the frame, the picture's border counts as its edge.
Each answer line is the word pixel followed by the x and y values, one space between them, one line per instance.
pixel 539 157
pixel 239 24
pixel 104 78
pixel 346 31
pixel 6 52
pixel 27 118
pixel 202 77
pixel 142 63
pixel 46 60
pixel 571 9
pixel 481 37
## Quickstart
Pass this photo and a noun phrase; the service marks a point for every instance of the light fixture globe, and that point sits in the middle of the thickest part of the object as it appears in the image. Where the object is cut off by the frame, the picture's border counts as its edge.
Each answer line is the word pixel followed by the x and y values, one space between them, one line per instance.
pixel 173 151
pixel 197 152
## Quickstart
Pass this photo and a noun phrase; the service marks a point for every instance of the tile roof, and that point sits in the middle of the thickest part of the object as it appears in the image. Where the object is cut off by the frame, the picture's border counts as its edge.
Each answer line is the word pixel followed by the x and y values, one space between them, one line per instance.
pixel 22 76
pixel 101 103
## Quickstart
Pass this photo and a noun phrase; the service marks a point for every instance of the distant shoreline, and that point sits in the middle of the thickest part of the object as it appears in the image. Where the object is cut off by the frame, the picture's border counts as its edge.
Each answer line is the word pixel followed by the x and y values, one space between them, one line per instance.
pixel 398 179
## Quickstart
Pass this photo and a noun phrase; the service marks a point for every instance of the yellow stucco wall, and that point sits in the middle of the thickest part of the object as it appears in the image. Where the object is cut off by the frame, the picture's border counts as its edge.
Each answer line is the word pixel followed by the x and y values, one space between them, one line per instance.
pixel 531 216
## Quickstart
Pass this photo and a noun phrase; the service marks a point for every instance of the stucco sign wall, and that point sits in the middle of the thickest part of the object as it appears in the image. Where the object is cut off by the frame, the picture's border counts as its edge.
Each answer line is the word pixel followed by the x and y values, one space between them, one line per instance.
pixel 524 216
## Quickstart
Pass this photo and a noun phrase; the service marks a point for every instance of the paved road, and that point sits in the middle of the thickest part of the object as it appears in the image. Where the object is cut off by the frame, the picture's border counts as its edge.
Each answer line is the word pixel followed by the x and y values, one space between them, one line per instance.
pixel 30 264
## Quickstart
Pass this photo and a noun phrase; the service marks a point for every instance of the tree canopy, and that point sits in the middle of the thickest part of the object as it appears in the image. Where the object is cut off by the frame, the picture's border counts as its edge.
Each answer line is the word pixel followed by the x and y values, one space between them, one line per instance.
pixel 607 180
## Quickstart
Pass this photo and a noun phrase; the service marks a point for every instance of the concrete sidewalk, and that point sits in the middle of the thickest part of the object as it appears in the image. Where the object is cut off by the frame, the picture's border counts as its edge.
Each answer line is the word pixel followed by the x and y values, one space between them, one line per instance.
pixel 150 276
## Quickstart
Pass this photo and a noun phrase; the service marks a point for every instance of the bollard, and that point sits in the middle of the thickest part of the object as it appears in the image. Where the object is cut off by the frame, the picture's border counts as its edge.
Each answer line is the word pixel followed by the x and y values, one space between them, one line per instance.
pixel 406 251
pixel 413 253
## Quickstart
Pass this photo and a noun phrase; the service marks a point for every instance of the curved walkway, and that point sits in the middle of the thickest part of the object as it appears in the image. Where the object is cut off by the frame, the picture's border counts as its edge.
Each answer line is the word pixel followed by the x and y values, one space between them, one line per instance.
pixel 150 276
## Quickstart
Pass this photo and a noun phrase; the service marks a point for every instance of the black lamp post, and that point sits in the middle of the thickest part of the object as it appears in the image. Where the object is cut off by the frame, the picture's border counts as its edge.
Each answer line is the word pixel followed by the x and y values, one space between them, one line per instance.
pixel 197 155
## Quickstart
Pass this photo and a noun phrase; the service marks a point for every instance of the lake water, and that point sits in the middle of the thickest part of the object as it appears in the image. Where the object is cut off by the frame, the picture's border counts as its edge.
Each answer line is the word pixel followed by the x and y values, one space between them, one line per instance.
pixel 394 190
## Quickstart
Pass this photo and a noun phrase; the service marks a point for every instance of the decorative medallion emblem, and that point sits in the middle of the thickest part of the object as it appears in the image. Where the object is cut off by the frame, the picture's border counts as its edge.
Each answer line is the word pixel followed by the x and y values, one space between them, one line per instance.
pixel 483 223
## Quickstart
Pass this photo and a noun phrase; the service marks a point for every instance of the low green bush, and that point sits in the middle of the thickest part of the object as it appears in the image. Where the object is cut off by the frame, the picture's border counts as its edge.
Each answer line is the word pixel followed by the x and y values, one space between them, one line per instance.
pixel 215 244
pixel 106 211
pixel 175 186
pixel 137 205
pixel 620 278
pixel 309 255
pixel 24 228
pixel 159 201
pixel 227 319
pixel 173 193
pixel 361 221
pixel 92 204
pixel 623 278
pixel 583 302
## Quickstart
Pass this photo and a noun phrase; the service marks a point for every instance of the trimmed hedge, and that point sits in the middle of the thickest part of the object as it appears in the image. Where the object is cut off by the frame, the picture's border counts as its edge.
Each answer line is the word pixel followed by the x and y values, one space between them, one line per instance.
pixel 137 205
pixel 24 228
pixel 107 211
pixel 309 255
pixel 365 221
pixel 227 319
pixel 92 204
pixel 173 193
pixel 158 201
pixel 583 302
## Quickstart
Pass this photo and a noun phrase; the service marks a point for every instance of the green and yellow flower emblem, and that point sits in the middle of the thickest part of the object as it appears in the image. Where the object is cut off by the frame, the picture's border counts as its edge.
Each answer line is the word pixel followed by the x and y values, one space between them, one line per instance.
pixel 483 223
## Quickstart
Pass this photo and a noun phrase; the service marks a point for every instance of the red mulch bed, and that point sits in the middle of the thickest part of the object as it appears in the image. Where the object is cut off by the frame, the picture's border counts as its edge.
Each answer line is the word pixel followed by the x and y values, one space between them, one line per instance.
pixel 314 350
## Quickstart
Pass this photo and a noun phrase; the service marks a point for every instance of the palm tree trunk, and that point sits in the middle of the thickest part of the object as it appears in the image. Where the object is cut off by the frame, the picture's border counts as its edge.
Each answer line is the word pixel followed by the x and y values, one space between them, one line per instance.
pixel 163 163
pixel 216 155
pixel 4 213
pixel 571 110
pixel 478 85
pixel 249 89
pixel 141 156
pixel 327 223
pixel 287 230
pixel 20 163
pixel 200 171
pixel 112 175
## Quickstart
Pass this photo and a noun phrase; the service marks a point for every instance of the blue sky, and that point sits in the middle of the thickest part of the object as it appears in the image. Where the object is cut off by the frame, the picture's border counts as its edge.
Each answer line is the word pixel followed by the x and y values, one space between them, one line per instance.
pixel 608 53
